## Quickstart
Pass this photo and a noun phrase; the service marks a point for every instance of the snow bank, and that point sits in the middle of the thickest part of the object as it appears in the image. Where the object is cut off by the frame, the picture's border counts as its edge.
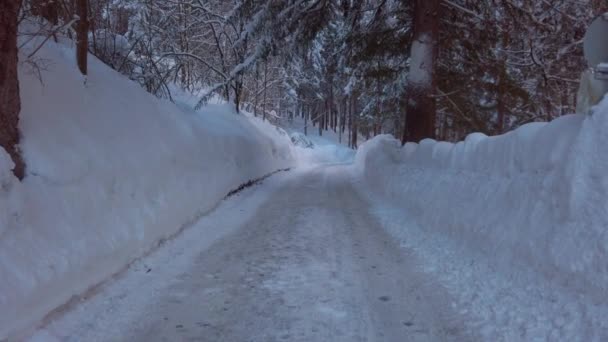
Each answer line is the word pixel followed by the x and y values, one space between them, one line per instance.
pixel 534 198
pixel 312 149
pixel 111 172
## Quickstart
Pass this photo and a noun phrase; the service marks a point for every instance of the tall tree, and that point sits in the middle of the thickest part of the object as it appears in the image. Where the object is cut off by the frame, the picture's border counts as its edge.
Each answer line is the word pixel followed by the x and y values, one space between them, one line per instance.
pixel 421 106
pixel 10 103
pixel 464 65
pixel 82 35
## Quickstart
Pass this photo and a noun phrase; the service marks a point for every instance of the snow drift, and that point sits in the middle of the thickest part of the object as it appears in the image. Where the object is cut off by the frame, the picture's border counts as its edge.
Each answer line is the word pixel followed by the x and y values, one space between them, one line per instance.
pixel 314 149
pixel 535 197
pixel 111 172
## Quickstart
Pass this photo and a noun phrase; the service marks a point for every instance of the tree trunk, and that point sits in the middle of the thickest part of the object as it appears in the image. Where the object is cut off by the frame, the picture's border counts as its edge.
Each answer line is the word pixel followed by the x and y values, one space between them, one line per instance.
pixel 322 121
pixel 378 114
pixel 306 113
pixel 501 105
pixel 82 36
pixel 10 102
pixel 421 106
pixel 340 120
pixel 354 128
pixel 265 88
pixel 350 119
pixel 255 98
pixel 279 109
pixel 238 87
pixel 502 80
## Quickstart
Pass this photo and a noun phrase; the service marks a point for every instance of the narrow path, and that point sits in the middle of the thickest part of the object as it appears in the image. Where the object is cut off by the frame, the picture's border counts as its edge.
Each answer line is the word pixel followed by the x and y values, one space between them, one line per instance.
pixel 308 263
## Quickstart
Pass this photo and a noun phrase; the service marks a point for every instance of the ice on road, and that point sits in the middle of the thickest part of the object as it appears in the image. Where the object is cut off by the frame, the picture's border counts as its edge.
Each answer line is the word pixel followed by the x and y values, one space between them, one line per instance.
pixel 298 258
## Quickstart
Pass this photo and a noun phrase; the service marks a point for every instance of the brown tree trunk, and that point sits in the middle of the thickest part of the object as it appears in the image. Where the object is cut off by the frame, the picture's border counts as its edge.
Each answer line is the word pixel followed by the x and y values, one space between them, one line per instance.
pixel 501 105
pixel 350 120
pixel 265 88
pixel 306 114
pixel 322 119
pixel 82 35
pixel 421 106
pixel 354 128
pixel 255 102
pixel 502 81
pixel 237 94
pixel 10 103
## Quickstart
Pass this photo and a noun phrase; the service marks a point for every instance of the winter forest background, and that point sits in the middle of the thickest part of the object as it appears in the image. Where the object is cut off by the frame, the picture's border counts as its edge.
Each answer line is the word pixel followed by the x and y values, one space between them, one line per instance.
pixel 415 69
pixel 125 125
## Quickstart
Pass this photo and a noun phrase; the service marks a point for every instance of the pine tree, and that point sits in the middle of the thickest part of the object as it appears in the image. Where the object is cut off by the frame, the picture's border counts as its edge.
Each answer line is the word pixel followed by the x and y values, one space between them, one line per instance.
pixel 421 107
pixel 10 103
pixel 82 35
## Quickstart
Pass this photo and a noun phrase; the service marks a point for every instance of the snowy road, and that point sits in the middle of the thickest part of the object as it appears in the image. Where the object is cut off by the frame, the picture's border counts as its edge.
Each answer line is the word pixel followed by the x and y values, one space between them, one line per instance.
pixel 298 258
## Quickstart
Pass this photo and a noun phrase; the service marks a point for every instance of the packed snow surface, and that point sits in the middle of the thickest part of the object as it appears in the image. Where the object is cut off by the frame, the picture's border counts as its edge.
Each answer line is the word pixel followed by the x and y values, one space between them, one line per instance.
pixel 515 225
pixel 111 171
pixel 297 258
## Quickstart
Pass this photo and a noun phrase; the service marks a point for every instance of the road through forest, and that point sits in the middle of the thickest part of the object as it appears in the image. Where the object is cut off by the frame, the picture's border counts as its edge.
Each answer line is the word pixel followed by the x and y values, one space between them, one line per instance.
pixel 297 258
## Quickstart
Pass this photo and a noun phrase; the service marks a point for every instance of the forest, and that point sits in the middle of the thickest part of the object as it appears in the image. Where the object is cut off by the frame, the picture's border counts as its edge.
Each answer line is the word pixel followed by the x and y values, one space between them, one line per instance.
pixel 303 170
pixel 415 69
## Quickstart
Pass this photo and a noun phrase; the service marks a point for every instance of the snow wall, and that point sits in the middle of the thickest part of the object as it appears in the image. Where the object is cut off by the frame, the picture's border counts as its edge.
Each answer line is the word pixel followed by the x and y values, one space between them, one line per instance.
pixel 111 171
pixel 536 197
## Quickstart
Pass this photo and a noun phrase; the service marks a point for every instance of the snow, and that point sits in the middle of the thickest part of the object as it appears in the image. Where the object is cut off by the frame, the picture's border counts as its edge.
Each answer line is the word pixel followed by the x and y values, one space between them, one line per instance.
pixel 111 171
pixel 420 60
pixel 312 149
pixel 115 310
pixel 514 225
pixel 110 42
pixel 594 42
pixel 302 260
pixel 592 89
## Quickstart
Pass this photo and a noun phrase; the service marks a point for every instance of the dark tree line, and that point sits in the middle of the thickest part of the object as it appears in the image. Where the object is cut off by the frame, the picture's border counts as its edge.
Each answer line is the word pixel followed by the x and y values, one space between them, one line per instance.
pixel 416 69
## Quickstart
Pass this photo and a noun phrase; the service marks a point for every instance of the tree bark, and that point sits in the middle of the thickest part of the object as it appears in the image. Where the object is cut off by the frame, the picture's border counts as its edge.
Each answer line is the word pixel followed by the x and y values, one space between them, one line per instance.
pixel 255 105
pixel 421 107
pixel 354 128
pixel 82 35
pixel 265 88
pixel 306 114
pixel 350 119
pixel 502 81
pixel 10 102
pixel 238 86
pixel 501 104
pixel 322 119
